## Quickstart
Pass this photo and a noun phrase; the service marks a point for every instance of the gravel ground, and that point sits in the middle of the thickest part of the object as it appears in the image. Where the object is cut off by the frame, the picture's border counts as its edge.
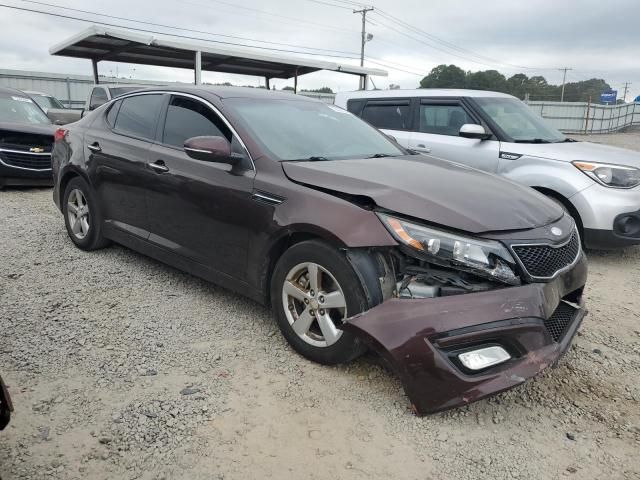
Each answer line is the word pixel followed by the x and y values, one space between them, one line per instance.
pixel 123 368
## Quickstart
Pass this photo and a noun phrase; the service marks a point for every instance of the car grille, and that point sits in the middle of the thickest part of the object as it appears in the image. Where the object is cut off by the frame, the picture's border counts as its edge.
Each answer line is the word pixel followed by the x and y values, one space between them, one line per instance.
pixel 544 261
pixel 27 160
pixel 560 320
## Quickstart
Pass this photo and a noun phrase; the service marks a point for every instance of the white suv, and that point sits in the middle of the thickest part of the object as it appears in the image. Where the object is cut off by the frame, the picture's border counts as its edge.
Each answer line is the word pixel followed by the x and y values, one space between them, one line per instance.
pixel 598 185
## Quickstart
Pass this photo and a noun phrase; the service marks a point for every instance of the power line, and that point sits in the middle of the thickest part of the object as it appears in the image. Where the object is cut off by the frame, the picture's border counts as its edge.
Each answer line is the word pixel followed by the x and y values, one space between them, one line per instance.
pixel 184 29
pixel 383 64
pixel 275 15
pixel 69 17
pixel 457 51
pixel 330 4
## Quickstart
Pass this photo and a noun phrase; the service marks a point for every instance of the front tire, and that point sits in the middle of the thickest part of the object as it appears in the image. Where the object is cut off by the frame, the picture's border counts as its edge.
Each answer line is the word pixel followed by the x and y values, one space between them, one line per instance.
pixel 82 215
pixel 314 289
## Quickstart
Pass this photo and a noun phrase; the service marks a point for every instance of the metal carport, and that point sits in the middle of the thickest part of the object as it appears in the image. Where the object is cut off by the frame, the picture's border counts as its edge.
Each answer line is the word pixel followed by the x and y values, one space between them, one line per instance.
pixel 115 45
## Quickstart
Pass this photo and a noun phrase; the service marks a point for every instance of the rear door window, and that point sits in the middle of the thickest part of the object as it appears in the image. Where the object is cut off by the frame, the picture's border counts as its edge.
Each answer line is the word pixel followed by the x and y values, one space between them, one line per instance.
pixel 391 115
pixel 188 118
pixel 443 119
pixel 138 115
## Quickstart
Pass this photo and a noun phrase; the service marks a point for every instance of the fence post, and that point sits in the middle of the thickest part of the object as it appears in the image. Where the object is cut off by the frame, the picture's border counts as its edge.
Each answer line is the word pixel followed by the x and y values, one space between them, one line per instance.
pixel 69 105
pixel 586 123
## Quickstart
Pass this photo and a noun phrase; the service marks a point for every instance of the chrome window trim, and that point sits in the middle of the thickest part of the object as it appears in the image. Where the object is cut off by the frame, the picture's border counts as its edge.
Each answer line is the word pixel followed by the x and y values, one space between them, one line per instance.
pixel 546 244
pixel 24 168
pixel 198 99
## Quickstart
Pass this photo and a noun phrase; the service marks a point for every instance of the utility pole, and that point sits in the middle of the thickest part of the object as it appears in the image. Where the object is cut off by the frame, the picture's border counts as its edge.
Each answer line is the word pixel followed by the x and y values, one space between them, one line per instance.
pixel 626 88
pixel 364 12
pixel 564 80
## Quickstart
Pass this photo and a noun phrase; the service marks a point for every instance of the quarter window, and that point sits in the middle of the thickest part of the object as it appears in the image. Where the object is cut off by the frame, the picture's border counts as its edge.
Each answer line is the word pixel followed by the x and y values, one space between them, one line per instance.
pixel 111 114
pixel 389 115
pixel 188 118
pixel 98 97
pixel 138 116
pixel 443 119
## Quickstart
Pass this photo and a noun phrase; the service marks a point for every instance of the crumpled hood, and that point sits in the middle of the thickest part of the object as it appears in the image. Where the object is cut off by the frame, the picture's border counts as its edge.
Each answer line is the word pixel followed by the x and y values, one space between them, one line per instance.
pixel 570 151
pixel 39 129
pixel 434 190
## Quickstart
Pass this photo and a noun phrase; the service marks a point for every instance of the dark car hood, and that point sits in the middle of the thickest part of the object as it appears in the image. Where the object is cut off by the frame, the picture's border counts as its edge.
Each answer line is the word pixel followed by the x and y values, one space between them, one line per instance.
pixel 434 190
pixel 39 129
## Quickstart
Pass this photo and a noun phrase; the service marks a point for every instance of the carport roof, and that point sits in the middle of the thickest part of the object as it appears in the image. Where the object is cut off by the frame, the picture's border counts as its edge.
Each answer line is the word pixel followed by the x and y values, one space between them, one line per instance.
pixel 98 43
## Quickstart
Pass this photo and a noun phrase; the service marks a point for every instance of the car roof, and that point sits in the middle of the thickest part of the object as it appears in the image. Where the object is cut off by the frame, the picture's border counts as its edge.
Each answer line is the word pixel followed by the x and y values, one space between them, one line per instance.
pixel 422 92
pixel 231 92
pixel 9 91
pixel 33 92
pixel 117 85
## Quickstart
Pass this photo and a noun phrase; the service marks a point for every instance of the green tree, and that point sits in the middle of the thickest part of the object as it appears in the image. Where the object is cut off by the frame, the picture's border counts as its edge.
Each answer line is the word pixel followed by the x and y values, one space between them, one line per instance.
pixel 487 80
pixel 517 85
pixel 444 76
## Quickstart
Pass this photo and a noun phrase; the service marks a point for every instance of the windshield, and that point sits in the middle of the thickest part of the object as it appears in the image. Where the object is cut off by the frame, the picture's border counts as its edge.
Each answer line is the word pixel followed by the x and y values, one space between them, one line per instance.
pixel 303 130
pixel 16 108
pixel 117 91
pixel 518 121
pixel 46 102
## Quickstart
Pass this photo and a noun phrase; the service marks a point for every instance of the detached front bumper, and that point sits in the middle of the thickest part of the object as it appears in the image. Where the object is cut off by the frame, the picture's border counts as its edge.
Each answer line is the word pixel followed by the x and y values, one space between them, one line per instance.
pixel 535 323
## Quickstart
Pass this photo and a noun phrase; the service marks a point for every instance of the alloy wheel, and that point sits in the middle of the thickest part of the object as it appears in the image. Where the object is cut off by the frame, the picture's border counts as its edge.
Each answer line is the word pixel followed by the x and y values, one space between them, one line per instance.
pixel 78 213
pixel 314 304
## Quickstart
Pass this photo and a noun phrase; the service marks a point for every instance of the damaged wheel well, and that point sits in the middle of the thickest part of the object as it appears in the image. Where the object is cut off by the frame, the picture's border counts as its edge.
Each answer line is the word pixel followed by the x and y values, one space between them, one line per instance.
pixel 373 270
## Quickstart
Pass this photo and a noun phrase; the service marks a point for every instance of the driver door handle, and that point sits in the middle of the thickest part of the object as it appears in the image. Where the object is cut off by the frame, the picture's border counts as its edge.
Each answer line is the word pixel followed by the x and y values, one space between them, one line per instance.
pixel 94 147
pixel 159 166
pixel 421 147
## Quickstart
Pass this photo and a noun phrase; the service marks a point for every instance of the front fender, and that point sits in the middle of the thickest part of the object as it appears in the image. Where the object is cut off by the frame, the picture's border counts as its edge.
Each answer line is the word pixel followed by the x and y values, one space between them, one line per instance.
pixel 559 176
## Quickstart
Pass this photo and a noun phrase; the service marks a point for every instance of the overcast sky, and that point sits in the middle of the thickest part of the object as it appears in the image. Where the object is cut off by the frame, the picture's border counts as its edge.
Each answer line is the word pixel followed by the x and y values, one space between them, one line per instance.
pixel 595 38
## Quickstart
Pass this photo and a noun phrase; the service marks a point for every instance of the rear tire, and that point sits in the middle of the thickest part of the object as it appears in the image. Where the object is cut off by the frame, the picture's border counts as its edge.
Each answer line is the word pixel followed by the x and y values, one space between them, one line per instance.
pixel 82 215
pixel 307 311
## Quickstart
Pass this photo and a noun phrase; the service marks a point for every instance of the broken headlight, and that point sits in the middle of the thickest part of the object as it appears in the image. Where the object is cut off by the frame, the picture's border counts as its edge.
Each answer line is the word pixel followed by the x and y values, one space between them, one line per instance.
pixel 486 258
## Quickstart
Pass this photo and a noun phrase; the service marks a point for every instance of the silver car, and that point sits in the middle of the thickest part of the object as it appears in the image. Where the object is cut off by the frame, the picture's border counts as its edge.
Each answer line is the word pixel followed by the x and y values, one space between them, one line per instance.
pixel 598 185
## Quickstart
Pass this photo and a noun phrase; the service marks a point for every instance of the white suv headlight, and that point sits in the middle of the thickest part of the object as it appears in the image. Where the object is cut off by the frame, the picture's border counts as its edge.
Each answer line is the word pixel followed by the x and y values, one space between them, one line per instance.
pixel 616 176
pixel 486 258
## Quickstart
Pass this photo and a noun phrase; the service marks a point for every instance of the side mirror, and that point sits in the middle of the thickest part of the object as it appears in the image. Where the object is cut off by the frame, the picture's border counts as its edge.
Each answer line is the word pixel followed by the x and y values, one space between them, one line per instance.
pixel 209 149
pixel 391 137
pixel 470 130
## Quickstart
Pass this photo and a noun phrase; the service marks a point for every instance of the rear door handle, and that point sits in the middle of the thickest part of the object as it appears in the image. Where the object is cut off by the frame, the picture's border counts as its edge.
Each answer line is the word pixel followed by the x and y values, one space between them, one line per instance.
pixel 159 166
pixel 94 147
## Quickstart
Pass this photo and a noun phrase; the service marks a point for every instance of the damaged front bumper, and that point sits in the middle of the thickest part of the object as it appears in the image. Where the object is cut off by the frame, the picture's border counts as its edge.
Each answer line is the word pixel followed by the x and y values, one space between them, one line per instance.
pixel 421 338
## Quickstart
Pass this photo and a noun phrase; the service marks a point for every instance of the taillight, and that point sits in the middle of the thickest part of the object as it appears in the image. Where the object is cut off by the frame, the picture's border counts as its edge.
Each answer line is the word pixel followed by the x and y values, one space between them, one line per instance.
pixel 60 134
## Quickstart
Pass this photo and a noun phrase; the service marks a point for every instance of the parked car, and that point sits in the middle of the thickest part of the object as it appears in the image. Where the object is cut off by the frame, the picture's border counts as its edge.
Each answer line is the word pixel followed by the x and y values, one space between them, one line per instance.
pixel 5 406
pixel 44 100
pixel 100 94
pixel 597 184
pixel 466 283
pixel 26 138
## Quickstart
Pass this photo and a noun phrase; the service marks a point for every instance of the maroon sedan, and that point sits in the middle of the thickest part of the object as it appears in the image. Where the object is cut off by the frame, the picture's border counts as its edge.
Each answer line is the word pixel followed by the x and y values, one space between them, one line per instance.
pixel 468 284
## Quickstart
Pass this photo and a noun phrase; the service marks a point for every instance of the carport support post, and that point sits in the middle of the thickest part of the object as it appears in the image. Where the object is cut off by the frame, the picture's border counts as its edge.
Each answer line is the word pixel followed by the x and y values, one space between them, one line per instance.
pixel 266 82
pixel 198 69
pixel 295 82
pixel 94 64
